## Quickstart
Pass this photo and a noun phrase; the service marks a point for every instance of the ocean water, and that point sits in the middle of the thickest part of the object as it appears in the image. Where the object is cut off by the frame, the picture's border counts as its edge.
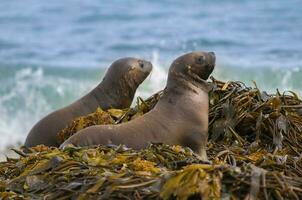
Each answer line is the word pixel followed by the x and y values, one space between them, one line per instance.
pixel 53 52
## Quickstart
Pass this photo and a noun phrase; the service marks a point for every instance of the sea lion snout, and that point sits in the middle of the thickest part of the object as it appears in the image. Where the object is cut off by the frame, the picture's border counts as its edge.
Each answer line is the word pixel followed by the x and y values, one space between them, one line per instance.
pixel 212 61
pixel 212 57
pixel 145 66
pixel 204 63
pixel 211 54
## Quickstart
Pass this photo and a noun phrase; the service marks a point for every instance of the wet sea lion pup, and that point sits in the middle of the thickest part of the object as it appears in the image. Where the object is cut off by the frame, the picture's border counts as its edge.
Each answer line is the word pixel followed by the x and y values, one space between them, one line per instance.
pixel 180 116
pixel 116 90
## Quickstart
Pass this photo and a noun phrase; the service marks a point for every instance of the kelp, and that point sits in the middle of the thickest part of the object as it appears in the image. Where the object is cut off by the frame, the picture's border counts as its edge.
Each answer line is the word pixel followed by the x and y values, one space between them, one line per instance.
pixel 98 117
pixel 254 152
pixel 111 116
pixel 246 115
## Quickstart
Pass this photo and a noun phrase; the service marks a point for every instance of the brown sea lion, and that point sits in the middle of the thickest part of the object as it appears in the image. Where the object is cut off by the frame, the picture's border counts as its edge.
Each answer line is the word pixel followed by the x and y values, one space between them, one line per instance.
pixel 179 118
pixel 116 90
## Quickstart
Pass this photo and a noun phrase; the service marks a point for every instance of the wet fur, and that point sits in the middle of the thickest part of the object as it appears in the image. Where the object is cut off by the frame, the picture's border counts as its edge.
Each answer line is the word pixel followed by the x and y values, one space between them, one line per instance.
pixel 179 118
pixel 115 91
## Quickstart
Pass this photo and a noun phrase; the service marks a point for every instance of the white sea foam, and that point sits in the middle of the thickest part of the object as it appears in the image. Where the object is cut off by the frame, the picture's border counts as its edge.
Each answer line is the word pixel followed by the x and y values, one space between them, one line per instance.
pixel 156 80
pixel 30 96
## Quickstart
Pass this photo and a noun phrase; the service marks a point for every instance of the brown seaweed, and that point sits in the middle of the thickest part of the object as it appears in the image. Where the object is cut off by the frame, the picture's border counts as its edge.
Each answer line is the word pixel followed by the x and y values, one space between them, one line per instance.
pixel 254 148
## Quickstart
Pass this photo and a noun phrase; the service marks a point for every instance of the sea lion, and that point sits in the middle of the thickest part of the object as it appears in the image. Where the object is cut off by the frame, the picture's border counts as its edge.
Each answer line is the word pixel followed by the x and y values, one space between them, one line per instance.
pixel 179 118
pixel 116 90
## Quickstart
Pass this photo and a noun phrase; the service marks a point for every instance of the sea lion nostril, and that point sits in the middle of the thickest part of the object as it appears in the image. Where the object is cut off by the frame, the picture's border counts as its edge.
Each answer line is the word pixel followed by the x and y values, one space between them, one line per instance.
pixel 212 53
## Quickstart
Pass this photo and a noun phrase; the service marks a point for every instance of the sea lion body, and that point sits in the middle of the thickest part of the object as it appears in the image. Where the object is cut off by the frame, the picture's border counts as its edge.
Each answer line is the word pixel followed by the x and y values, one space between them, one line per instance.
pixel 180 117
pixel 116 90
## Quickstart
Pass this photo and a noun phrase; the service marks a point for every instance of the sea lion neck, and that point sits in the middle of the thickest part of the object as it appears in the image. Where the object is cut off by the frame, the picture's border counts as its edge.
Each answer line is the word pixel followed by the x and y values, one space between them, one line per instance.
pixel 120 82
pixel 115 92
pixel 187 80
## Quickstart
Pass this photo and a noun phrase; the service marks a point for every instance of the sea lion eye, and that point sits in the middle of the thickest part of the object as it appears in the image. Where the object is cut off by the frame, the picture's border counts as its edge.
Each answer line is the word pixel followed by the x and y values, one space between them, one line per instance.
pixel 141 64
pixel 200 59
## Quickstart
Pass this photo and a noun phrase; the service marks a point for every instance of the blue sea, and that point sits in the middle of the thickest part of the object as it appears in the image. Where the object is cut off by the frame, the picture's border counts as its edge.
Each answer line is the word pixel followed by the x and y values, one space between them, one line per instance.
pixel 53 52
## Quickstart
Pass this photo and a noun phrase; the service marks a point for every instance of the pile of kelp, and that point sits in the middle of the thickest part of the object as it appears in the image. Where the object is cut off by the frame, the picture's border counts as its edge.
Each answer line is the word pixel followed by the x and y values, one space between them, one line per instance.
pixel 254 148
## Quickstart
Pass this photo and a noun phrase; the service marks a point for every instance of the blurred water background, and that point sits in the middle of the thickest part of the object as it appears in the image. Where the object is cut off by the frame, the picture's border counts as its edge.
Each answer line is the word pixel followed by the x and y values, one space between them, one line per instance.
pixel 52 52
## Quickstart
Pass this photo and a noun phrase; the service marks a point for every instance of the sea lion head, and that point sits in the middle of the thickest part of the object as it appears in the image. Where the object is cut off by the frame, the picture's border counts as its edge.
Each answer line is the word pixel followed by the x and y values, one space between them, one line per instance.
pixel 121 81
pixel 132 70
pixel 197 64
